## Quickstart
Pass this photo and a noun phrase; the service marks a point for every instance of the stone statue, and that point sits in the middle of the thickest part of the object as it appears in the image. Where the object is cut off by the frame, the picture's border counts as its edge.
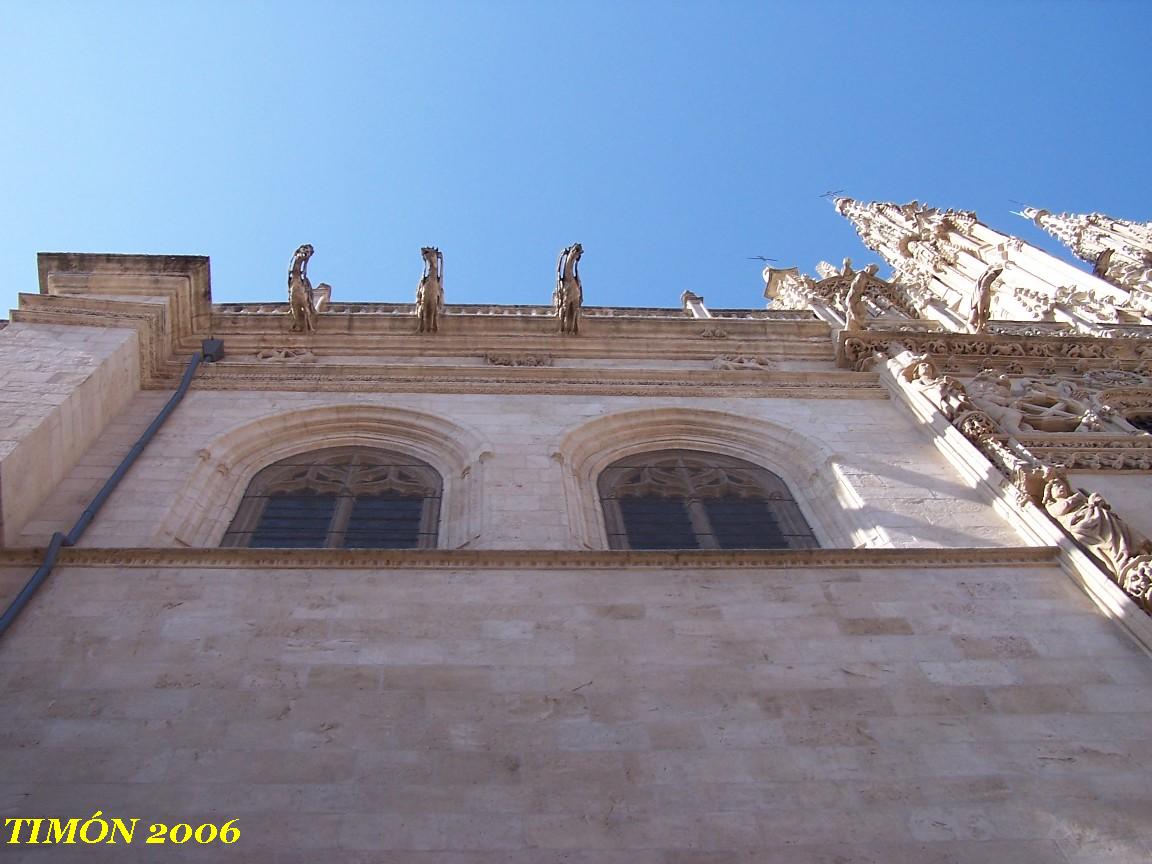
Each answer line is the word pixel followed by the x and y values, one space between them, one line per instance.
pixel 430 291
pixel 569 296
pixel 301 302
pixel 944 391
pixel 854 312
pixel 1092 524
pixel 982 299
pixel 1100 266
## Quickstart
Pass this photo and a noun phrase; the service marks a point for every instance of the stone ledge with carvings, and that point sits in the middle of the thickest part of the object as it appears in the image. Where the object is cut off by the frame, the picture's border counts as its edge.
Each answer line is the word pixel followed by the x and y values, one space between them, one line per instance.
pixel 1122 552
pixel 855 346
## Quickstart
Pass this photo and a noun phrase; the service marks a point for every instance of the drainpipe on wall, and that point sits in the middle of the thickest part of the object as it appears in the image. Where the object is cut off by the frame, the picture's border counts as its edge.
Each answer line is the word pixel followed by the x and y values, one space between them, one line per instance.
pixel 211 351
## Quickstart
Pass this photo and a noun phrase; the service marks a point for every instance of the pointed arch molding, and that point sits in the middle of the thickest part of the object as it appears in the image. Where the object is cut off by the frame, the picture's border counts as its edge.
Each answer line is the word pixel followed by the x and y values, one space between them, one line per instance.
pixel 209 498
pixel 808 467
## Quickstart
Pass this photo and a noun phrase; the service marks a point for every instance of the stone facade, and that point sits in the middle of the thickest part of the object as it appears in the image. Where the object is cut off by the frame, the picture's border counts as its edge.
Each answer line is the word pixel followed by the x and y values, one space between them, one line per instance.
pixel 959 672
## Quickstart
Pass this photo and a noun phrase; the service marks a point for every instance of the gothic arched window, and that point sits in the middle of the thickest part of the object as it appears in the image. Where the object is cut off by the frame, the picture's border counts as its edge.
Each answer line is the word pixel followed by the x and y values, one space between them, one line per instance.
pixel 684 499
pixel 343 498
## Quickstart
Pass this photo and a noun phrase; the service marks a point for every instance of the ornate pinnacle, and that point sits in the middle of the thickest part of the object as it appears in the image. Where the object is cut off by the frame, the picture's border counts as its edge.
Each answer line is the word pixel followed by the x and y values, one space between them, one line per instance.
pixel 1119 250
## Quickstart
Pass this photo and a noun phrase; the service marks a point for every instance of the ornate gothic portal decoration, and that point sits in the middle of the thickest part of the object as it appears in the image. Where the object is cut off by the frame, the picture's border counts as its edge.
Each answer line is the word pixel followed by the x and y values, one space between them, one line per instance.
pixel 430 291
pixel 568 297
pixel 1089 520
pixel 916 240
pixel 302 300
pixel 1120 251
pixel 854 312
pixel 987 408
pixel 859 295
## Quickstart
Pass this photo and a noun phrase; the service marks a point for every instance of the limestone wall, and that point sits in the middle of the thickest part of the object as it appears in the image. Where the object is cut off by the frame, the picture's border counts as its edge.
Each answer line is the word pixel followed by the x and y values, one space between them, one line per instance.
pixel 62 385
pixel 927 714
pixel 862 471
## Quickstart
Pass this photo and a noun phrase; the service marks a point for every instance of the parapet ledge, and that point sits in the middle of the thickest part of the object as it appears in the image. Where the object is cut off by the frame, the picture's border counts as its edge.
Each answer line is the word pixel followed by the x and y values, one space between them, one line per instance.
pixel 167 299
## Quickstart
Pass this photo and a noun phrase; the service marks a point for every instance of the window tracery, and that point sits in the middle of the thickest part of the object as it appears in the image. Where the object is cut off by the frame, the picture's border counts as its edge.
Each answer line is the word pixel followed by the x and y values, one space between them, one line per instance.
pixel 685 499
pixel 340 497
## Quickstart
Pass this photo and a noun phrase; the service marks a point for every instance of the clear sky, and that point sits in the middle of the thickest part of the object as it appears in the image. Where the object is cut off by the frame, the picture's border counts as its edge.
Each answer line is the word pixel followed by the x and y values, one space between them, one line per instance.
pixel 673 139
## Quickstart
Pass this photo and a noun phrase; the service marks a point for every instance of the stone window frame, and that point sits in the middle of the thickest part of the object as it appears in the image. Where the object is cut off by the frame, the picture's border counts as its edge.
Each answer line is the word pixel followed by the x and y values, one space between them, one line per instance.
pixel 830 505
pixel 347 474
pixel 694 478
pixel 203 509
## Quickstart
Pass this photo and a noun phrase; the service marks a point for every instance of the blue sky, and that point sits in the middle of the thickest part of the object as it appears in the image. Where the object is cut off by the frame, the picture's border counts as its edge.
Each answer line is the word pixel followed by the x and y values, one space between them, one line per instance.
pixel 674 140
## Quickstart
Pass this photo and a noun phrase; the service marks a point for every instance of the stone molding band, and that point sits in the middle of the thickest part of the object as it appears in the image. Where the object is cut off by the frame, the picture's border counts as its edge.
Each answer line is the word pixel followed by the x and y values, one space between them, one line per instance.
pixel 517 559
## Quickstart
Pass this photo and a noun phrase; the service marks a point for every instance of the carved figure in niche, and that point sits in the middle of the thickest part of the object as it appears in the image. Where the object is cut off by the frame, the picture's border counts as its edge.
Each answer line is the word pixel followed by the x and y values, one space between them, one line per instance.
pixel 944 391
pixel 569 296
pixel 1091 522
pixel 301 302
pixel 854 312
pixel 430 291
pixel 982 299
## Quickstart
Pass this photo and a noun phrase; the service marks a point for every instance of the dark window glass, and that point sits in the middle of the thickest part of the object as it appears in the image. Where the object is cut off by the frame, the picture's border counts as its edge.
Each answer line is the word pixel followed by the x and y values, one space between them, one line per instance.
pixel 657 523
pixel 683 499
pixel 340 497
pixel 385 522
pixel 743 523
pixel 294 520
pixel 1143 422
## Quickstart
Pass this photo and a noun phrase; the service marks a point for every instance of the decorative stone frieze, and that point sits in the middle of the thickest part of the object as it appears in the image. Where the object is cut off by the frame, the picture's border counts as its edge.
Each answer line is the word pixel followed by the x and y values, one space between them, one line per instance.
pixel 304 355
pixel 518 359
pixel 984 411
pixel 740 361
pixel 855 346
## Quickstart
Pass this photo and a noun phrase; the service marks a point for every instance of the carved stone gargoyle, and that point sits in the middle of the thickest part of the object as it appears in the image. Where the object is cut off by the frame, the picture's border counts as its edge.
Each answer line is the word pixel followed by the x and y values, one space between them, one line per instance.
pixel 301 297
pixel 430 291
pixel 568 297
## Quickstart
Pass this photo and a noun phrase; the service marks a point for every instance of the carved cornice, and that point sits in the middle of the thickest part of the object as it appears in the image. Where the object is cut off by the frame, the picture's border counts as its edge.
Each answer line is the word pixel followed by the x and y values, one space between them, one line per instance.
pixel 854 347
pixel 536 380
pixel 516 559
pixel 167 300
